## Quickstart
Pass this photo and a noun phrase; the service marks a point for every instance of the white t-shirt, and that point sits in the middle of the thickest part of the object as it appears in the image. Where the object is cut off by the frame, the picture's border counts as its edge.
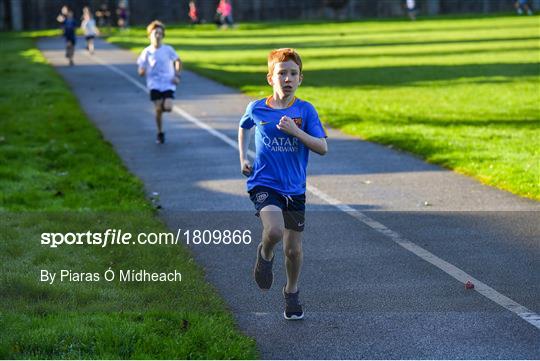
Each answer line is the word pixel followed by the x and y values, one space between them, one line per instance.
pixel 89 27
pixel 159 67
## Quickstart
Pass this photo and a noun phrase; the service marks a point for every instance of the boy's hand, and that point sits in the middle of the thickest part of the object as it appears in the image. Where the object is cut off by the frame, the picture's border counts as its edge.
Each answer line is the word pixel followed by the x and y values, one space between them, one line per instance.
pixel 246 168
pixel 176 80
pixel 287 125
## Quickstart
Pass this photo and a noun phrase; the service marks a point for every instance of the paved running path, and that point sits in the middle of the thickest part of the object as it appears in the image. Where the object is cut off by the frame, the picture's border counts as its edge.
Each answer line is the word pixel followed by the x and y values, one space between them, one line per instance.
pixel 368 288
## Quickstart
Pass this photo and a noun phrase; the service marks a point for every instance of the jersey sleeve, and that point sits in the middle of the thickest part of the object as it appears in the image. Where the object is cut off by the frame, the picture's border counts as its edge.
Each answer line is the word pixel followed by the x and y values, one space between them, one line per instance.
pixel 172 54
pixel 142 59
pixel 314 126
pixel 247 121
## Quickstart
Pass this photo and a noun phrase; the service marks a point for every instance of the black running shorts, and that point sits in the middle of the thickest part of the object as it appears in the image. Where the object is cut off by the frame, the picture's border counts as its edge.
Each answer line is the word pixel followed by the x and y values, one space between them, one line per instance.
pixel 293 207
pixel 156 94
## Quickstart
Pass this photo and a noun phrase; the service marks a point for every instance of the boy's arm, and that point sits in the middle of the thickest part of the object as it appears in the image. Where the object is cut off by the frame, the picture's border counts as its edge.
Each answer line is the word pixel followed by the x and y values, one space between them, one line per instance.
pixel 141 63
pixel 177 70
pixel 178 66
pixel 318 145
pixel 244 138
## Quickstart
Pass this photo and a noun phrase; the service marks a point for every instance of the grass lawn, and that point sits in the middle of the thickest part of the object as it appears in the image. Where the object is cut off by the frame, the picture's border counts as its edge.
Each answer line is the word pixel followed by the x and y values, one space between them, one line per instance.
pixel 57 174
pixel 460 92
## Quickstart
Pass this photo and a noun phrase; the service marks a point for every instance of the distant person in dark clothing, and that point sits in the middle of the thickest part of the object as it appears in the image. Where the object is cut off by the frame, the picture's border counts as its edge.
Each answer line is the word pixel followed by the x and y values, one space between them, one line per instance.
pixel 63 14
pixel 123 15
pixel 70 26
pixel 61 18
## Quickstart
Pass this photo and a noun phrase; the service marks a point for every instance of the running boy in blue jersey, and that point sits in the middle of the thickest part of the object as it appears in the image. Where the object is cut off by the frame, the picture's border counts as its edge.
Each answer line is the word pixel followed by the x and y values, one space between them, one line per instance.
pixel 286 129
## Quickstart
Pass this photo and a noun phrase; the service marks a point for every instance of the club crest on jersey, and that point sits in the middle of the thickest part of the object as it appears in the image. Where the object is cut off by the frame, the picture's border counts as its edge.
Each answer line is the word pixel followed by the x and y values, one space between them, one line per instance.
pixel 298 122
pixel 261 196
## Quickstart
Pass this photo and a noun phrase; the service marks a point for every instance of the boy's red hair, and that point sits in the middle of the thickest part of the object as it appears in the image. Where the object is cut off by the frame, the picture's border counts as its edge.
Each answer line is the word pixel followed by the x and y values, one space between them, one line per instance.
pixel 155 24
pixel 282 55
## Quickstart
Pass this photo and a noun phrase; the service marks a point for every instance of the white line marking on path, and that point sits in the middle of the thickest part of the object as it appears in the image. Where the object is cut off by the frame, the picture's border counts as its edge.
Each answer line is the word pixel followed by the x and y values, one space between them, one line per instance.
pixel 458 274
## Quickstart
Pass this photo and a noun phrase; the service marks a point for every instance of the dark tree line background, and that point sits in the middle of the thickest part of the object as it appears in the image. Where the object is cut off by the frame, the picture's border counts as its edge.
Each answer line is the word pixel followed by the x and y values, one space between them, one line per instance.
pixel 41 14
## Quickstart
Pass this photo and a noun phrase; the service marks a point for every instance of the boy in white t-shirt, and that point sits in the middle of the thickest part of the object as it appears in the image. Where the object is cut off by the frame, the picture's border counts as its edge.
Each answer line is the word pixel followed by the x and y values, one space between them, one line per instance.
pixel 89 28
pixel 162 67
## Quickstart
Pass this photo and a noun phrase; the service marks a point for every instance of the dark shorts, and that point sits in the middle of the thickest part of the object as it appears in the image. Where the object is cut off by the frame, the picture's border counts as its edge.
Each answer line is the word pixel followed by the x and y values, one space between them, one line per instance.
pixel 71 38
pixel 293 207
pixel 157 95
pixel 89 37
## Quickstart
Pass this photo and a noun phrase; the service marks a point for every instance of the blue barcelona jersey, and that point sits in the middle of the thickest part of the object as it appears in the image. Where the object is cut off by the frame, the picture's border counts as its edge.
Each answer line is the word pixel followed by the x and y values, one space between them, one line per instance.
pixel 281 160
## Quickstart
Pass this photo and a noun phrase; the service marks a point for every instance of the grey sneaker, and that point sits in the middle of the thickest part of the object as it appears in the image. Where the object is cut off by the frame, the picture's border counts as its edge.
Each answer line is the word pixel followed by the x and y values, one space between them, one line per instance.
pixel 293 308
pixel 263 270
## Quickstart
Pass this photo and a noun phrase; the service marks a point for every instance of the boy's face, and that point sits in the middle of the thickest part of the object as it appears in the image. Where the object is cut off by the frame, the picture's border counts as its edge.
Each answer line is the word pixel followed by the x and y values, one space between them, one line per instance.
pixel 156 36
pixel 286 78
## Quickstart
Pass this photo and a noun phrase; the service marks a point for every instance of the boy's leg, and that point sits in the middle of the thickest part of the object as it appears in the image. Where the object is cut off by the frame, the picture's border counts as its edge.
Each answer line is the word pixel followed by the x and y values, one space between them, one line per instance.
pixel 69 49
pixel 294 219
pixel 292 247
pixel 273 229
pixel 268 204
pixel 159 112
pixel 273 226
pixel 167 105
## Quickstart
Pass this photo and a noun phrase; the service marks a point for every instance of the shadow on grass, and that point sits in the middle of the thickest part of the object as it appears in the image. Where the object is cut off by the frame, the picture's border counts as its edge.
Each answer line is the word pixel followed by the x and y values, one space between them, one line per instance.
pixel 255 61
pixel 402 75
pixel 277 31
pixel 342 119
pixel 386 76
pixel 430 54
pixel 332 43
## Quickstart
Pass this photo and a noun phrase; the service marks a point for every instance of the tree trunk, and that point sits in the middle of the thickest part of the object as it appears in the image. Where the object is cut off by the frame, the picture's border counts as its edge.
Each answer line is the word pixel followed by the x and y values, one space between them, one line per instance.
pixel 433 7
pixel 16 15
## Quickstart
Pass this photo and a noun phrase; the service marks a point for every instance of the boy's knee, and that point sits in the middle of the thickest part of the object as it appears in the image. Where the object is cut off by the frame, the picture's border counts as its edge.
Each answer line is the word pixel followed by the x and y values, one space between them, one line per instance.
pixel 293 253
pixel 274 233
pixel 167 105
